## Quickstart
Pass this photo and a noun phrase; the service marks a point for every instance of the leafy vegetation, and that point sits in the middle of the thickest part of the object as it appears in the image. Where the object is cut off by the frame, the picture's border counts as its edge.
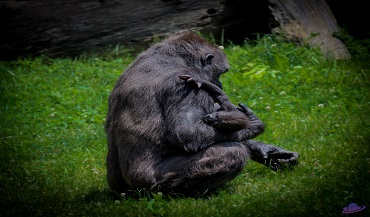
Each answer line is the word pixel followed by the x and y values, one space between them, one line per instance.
pixel 53 145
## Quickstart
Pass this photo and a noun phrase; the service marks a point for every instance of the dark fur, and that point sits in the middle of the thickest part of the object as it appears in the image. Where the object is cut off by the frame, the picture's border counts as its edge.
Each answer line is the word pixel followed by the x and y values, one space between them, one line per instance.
pixel 157 138
pixel 227 118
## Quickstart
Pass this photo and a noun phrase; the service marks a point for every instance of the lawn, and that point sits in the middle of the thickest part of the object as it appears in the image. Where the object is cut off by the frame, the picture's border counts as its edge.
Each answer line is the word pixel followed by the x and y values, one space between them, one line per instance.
pixel 53 144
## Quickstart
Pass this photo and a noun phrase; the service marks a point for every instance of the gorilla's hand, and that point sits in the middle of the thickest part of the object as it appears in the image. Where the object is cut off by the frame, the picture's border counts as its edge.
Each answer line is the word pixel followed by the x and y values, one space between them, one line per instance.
pixel 272 156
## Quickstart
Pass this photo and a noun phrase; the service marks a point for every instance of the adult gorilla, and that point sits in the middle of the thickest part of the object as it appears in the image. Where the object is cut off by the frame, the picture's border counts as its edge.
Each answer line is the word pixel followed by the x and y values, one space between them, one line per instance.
pixel 159 138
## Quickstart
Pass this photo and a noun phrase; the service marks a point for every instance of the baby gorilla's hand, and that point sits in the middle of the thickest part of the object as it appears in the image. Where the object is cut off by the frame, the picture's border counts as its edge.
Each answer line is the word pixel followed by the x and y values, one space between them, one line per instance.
pixel 191 80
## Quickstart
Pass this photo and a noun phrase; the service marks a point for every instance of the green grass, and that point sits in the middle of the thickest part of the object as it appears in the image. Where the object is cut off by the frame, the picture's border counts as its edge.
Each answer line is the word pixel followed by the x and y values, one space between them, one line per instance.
pixel 53 144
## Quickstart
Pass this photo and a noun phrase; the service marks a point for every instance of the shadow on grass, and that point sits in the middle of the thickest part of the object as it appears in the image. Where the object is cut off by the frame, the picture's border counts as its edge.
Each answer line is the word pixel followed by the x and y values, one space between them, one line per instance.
pixel 24 193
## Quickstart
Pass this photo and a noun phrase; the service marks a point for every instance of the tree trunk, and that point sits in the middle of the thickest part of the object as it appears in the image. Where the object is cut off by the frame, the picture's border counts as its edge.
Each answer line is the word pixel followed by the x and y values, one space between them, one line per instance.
pixel 310 21
pixel 73 26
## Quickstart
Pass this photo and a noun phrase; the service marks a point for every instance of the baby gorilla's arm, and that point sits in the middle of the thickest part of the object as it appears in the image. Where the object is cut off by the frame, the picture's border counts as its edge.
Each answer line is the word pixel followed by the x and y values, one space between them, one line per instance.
pixel 215 92
pixel 227 119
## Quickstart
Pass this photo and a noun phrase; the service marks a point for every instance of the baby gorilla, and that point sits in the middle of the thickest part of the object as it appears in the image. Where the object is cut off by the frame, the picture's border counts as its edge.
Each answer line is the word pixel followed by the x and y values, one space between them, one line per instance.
pixel 227 118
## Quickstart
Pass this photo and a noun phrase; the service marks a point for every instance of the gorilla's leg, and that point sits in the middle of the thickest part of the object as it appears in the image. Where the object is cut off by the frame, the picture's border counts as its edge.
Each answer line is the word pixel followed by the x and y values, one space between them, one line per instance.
pixel 227 121
pixel 114 176
pixel 201 172
pixel 271 156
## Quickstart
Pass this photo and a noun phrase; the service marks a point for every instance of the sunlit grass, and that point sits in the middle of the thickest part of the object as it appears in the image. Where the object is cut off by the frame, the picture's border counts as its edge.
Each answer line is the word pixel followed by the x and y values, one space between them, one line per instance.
pixel 53 144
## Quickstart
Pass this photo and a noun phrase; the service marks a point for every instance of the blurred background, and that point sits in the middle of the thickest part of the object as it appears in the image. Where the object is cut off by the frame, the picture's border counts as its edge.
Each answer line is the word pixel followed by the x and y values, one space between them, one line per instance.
pixel 71 27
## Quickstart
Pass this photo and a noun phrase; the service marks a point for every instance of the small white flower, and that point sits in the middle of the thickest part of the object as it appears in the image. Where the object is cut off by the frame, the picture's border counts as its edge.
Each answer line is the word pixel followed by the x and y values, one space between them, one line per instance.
pixel 282 93
pixel 221 47
pixel 123 194
pixel 117 202
pixel 95 171
pixel 260 98
pixel 268 108
pixel 320 105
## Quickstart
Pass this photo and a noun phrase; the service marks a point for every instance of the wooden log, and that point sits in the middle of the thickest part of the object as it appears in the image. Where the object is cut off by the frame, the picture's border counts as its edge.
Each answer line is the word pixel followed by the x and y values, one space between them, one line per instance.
pixel 310 21
pixel 73 26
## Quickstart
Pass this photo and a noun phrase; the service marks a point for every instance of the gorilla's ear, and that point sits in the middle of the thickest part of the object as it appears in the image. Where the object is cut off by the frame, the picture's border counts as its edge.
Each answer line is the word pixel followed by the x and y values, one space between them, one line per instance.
pixel 208 59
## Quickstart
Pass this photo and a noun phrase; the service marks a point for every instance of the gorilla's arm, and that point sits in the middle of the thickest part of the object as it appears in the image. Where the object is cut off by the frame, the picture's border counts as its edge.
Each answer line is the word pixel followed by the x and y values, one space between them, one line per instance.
pixel 186 130
pixel 183 111
pixel 187 125
pixel 268 155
